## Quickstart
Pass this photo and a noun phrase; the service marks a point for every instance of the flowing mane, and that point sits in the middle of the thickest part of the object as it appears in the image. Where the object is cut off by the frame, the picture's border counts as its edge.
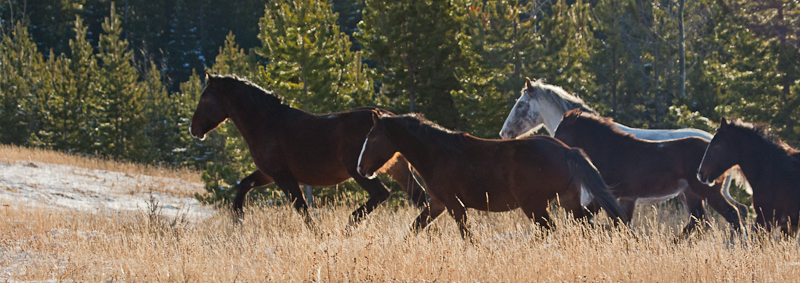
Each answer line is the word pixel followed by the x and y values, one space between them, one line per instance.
pixel 558 96
pixel 776 149
pixel 603 125
pixel 430 132
pixel 259 96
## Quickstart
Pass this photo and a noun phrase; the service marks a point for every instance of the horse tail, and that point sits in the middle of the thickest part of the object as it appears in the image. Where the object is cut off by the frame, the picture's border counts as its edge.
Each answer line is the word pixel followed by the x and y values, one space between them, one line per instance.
pixel 582 170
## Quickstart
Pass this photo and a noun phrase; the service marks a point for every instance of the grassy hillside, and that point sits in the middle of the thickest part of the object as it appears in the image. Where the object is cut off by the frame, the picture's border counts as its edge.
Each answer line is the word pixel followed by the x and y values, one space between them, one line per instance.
pixel 271 244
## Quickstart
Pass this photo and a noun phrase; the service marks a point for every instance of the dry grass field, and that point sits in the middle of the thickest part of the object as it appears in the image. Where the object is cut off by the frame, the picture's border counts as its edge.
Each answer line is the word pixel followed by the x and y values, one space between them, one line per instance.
pixel 271 244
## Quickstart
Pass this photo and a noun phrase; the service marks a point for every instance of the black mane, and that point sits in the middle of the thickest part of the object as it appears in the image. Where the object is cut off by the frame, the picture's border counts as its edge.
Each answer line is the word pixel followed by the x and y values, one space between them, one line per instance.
pixel 258 95
pixel 431 133
pixel 603 125
pixel 776 150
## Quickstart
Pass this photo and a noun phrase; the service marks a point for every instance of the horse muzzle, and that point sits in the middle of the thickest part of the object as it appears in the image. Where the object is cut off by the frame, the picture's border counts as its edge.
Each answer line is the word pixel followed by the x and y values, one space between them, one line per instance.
pixel 506 134
pixel 705 179
pixel 197 136
pixel 364 174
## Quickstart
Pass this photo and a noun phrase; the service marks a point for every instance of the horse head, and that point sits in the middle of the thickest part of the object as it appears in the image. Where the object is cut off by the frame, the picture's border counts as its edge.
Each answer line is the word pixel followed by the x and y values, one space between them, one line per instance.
pixel 719 156
pixel 525 115
pixel 210 112
pixel 378 152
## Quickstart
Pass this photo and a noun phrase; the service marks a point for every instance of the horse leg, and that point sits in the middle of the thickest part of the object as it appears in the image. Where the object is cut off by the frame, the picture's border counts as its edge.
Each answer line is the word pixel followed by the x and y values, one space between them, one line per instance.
pixel 628 206
pixel 741 208
pixel 402 172
pixel 718 202
pixel 765 216
pixel 787 227
pixel 256 179
pixel 428 214
pixel 538 213
pixel 378 193
pixel 459 213
pixel 292 189
pixel 697 213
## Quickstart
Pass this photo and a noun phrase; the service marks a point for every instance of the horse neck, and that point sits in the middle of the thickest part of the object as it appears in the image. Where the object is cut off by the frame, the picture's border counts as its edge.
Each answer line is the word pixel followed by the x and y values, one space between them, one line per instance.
pixel 601 141
pixel 551 114
pixel 755 164
pixel 418 152
pixel 251 118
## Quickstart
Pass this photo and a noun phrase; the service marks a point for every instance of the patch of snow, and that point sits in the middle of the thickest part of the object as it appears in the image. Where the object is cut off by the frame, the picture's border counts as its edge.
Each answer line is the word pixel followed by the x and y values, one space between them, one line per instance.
pixel 66 187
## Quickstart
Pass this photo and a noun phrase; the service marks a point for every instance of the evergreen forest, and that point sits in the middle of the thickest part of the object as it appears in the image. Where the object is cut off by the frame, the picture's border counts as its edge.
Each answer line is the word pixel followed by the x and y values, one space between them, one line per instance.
pixel 120 79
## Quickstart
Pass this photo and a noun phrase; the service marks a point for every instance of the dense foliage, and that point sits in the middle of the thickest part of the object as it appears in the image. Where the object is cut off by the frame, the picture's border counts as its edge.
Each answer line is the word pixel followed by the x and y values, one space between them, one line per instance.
pixel 121 81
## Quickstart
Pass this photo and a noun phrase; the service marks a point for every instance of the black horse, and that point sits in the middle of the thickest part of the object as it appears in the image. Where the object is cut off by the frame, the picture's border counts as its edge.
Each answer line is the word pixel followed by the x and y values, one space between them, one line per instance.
pixel 291 146
pixel 771 167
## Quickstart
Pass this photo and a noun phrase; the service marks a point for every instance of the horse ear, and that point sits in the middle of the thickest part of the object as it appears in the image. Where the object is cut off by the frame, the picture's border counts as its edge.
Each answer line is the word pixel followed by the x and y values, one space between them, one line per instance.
pixel 209 79
pixel 723 123
pixel 528 83
pixel 375 117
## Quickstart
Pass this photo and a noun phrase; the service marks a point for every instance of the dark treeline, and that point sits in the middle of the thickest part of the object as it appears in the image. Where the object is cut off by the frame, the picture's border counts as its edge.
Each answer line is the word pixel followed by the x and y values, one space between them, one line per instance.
pixel 121 79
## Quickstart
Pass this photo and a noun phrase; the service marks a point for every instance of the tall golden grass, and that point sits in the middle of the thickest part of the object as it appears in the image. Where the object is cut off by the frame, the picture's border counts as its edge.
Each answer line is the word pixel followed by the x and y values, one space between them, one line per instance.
pixel 12 153
pixel 272 244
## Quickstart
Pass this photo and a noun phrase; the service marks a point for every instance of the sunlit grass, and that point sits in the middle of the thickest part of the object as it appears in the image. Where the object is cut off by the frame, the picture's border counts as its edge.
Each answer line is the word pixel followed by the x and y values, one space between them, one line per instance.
pixel 272 244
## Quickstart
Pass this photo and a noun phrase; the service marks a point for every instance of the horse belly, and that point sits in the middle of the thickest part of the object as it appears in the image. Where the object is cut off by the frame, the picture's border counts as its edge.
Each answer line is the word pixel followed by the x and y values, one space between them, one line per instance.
pixel 679 188
pixel 322 176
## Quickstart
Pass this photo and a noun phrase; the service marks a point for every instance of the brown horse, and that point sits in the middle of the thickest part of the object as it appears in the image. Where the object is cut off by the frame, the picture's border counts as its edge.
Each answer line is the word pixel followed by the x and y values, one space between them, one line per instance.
pixel 646 172
pixel 771 167
pixel 462 171
pixel 291 146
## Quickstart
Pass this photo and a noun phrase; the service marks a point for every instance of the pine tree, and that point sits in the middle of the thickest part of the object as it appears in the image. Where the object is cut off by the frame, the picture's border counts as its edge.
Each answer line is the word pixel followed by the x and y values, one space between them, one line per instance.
pixel 416 47
pixel 49 105
pixel 81 103
pixel 310 61
pixel 62 102
pixel 566 42
pixel 120 118
pixel 20 69
pixel 761 65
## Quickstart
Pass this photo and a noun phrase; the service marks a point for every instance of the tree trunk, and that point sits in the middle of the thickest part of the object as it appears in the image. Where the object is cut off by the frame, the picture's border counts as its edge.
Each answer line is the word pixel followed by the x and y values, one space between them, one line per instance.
pixel 682 49
pixel 787 83
pixel 517 59
pixel 614 80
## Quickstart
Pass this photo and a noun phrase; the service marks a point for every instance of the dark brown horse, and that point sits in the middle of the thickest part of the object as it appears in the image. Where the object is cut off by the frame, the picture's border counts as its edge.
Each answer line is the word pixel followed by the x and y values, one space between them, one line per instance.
pixel 646 172
pixel 771 167
pixel 462 171
pixel 291 146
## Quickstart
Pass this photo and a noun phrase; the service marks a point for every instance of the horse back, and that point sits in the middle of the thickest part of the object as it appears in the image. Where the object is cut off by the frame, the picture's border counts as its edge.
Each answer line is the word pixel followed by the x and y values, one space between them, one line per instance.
pixel 319 145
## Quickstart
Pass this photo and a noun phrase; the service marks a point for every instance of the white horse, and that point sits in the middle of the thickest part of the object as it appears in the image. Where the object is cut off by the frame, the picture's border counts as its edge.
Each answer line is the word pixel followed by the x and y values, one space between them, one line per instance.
pixel 542 104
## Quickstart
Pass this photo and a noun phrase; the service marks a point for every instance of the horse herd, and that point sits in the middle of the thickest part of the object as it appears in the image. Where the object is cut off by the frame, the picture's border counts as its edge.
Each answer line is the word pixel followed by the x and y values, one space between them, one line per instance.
pixel 590 162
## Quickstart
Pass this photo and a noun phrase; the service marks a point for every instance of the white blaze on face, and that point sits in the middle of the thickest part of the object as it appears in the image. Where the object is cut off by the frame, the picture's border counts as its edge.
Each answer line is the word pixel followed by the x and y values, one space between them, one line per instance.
pixel 706 182
pixel 363 148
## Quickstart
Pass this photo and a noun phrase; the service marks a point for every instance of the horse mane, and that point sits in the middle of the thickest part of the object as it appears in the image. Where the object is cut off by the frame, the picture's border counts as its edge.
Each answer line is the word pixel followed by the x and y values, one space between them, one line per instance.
pixel 431 133
pixel 603 125
pixel 558 96
pixel 777 150
pixel 260 97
